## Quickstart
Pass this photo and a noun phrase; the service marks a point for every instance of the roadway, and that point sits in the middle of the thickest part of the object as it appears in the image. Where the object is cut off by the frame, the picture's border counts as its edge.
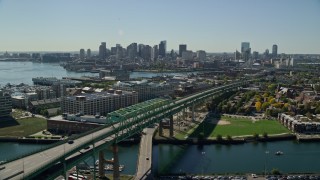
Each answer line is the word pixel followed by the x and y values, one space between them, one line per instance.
pixel 25 166
pixel 39 162
pixel 145 154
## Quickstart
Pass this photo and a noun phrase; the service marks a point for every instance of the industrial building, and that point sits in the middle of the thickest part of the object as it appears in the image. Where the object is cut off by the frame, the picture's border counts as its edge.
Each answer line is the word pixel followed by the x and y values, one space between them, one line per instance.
pixel 98 103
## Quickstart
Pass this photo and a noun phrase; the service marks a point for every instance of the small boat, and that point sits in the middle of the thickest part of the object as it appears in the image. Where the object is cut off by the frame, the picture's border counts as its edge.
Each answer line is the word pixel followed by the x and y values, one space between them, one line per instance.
pixel 109 167
pixel 278 153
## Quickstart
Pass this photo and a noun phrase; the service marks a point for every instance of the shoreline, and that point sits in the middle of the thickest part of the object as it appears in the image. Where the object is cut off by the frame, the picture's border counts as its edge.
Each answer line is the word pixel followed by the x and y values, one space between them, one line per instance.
pixel 190 141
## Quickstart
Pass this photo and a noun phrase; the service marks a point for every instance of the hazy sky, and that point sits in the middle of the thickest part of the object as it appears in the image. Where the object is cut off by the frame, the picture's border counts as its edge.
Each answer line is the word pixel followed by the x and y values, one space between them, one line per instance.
pixel 211 25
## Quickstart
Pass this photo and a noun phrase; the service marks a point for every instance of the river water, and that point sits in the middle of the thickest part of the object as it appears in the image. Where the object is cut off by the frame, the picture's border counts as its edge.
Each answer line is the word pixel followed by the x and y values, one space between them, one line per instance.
pixel 208 159
pixel 23 72
pixel 243 158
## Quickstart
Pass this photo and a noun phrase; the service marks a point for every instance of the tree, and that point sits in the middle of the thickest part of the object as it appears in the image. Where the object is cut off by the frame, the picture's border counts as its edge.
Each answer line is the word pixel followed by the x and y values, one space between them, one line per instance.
pixel 265 135
pixel 258 106
pixel 265 105
pixel 275 171
pixel 219 137
pixel 229 138
pixel 256 136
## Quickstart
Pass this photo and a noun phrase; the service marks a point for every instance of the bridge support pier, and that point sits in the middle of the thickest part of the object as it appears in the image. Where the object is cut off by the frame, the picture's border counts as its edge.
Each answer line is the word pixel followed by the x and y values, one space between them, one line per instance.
pixel 101 164
pixel 116 173
pixel 160 128
pixel 171 126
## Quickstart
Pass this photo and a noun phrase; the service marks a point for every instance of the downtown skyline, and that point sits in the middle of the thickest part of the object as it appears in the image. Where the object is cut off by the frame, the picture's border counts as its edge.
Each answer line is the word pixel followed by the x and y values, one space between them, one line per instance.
pixel 213 26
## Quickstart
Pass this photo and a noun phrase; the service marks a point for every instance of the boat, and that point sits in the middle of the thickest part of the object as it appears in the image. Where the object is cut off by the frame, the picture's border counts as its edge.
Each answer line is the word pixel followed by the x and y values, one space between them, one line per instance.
pixel 278 153
pixel 109 167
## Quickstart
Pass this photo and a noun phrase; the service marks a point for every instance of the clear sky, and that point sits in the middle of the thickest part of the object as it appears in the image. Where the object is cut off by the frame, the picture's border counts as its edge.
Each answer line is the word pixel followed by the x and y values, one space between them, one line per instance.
pixel 211 25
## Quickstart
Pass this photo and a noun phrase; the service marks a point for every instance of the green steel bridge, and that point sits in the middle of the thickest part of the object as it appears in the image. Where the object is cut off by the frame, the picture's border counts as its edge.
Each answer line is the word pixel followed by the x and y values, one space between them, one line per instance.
pixel 120 125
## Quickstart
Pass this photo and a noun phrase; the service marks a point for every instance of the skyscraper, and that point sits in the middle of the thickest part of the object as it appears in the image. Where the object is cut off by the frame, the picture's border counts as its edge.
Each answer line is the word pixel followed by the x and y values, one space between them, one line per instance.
pixel 182 47
pixel 154 53
pixel 82 53
pixel 103 50
pixel 274 50
pixel 132 50
pixel 162 48
pixel 88 53
pixel 245 46
pixel 245 50
pixel 201 55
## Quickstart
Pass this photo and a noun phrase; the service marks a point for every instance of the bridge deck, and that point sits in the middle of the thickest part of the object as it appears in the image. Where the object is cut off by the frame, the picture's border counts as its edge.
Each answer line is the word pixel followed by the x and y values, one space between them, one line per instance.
pixel 145 154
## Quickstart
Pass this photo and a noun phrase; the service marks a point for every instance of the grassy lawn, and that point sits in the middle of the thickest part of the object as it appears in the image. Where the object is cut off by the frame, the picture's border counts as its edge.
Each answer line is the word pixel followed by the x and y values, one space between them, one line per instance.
pixel 239 127
pixel 22 127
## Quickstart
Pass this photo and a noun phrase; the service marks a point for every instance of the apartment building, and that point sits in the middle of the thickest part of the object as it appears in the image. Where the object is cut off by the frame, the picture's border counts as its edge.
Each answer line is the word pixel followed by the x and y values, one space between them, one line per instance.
pixel 98 103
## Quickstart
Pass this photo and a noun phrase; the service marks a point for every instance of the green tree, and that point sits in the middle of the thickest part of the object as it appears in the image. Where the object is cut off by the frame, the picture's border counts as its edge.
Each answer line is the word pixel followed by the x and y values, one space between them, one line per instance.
pixel 219 137
pixel 256 136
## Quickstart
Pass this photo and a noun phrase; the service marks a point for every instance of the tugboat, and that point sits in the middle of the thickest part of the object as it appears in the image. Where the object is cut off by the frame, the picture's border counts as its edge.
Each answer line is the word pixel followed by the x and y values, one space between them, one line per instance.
pixel 278 153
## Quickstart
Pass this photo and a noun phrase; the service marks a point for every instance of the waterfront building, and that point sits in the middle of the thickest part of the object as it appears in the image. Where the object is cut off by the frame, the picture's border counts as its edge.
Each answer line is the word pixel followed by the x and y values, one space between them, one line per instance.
pixel 274 50
pixel 299 124
pixel 182 48
pixel 88 53
pixel 201 55
pixel 103 50
pixel 82 54
pixel 98 103
pixel 56 57
pixel 48 81
pixel 162 48
pixel 118 74
pixel 5 104
pixel 146 90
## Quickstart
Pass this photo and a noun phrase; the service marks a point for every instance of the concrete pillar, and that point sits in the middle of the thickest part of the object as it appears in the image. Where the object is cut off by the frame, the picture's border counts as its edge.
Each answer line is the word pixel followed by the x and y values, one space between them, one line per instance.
pixel 160 128
pixel 101 164
pixel 94 165
pixel 171 126
pixel 64 169
pixel 116 173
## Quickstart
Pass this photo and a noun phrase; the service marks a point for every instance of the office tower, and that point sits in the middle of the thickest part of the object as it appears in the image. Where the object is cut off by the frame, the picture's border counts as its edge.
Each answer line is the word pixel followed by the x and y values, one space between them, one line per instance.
pixel 245 46
pixel 274 50
pixel 132 50
pixel 147 53
pixel 154 53
pixel 255 55
pixel 237 55
pixel 140 50
pixel 103 51
pixel 162 48
pixel 119 51
pixel 201 55
pixel 245 50
pixel 187 55
pixel 182 47
pixel 88 53
pixel 82 54
pixel 266 54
